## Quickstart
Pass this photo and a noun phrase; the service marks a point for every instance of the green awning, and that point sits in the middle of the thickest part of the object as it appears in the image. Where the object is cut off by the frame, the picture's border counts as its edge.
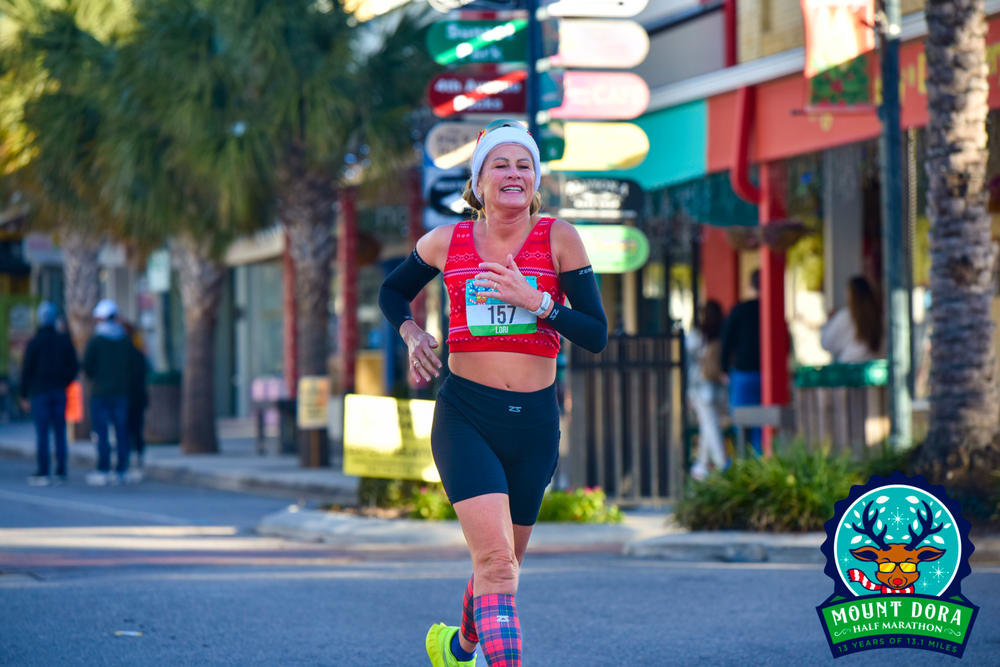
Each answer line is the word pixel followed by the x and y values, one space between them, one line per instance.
pixel 710 200
pixel 677 147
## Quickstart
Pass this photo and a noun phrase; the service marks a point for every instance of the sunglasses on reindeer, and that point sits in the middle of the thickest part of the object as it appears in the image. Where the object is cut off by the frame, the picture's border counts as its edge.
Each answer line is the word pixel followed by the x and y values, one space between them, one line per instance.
pixel 903 567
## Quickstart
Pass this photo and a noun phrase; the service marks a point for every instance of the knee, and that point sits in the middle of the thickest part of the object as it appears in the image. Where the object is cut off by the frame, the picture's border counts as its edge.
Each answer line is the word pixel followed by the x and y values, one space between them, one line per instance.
pixel 496 571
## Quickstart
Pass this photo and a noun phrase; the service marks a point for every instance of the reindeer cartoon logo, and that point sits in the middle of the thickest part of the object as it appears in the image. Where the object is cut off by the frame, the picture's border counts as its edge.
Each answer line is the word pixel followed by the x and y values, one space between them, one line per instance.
pixel 922 531
pixel 897 562
pixel 897 549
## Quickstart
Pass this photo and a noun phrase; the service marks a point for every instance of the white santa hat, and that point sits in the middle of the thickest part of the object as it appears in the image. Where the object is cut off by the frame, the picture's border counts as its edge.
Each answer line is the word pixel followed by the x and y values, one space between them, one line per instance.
pixel 510 133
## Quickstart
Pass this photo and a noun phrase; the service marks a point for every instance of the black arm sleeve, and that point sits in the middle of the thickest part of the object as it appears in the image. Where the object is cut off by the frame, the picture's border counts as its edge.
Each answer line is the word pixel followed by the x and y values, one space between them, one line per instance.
pixel 585 324
pixel 401 286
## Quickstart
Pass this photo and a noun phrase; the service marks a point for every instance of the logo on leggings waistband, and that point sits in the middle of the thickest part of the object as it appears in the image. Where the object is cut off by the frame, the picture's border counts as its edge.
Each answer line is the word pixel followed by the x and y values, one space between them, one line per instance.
pixel 513 408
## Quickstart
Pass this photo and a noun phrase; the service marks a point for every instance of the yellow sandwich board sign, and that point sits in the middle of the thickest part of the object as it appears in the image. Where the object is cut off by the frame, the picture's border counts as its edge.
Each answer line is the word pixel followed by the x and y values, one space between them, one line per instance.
pixel 388 438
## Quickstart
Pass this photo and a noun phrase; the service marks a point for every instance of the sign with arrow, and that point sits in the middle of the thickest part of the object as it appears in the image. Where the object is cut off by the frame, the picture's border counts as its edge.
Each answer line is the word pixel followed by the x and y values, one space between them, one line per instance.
pixel 614 248
pixel 611 44
pixel 601 146
pixel 450 144
pixel 458 42
pixel 462 92
pixel 602 8
pixel 602 95
pixel 443 190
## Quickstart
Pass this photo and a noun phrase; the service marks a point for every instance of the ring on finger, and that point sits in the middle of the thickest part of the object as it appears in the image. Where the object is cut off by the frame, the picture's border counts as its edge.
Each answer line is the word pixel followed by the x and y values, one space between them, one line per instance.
pixel 416 362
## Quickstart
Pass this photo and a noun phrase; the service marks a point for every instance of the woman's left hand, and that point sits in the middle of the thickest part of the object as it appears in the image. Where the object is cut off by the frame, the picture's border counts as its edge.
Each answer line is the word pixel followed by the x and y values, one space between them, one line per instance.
pixel 508 284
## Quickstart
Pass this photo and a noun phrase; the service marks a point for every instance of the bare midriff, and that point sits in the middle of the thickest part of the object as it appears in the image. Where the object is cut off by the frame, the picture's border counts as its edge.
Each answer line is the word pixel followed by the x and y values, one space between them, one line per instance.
pixel 511 371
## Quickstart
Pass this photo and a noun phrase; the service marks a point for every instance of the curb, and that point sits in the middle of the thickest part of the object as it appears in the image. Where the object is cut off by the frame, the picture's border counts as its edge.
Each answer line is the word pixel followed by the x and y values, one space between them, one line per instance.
pixel 731 547
pixel 336 527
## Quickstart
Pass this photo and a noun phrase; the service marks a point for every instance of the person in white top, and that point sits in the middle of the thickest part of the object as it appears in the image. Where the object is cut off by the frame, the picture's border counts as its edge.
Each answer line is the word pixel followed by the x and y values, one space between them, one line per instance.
pixel 706 389
pixel 854 334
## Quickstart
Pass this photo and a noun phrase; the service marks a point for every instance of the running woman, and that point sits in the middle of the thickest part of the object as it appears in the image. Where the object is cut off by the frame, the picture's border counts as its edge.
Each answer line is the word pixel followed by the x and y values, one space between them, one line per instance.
pixel 495 436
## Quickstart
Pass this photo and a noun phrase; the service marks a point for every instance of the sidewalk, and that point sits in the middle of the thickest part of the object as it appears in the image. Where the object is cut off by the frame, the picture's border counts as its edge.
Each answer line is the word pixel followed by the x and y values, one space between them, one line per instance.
pixel 237 467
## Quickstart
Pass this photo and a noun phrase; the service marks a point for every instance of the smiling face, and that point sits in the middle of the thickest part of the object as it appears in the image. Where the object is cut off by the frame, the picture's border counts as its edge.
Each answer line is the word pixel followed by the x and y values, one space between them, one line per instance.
pixel 507 178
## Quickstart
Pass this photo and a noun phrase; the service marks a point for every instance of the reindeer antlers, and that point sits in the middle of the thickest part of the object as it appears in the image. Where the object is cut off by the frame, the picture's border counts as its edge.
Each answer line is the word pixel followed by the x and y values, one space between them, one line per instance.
pixel 868 529
pixel 926 523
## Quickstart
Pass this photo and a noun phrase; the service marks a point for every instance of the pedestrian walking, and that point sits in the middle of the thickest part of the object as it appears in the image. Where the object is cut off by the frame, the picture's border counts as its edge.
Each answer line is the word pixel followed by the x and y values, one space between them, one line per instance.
pixel 706 387
pixel 495 436
pixel 138 401
pixel 107 362
pixel 854 334
pixel 50 365
pixel 741 353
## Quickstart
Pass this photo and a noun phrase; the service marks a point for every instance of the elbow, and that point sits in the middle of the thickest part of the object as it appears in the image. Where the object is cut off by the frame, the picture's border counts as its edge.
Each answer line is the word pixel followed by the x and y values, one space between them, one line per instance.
pixel 599 342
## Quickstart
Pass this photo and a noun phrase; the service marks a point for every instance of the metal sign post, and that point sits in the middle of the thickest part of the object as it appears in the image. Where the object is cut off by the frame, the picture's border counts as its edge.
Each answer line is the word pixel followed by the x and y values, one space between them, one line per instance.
pixel 897 282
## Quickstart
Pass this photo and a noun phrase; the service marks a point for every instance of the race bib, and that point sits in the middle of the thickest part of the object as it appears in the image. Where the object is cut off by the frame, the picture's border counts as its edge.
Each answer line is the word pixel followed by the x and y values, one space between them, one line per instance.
pixel 487 316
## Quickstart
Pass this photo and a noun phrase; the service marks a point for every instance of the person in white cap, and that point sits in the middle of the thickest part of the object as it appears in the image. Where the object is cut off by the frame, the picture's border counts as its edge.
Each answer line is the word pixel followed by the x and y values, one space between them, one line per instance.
pixel 107 363
pixel 495 436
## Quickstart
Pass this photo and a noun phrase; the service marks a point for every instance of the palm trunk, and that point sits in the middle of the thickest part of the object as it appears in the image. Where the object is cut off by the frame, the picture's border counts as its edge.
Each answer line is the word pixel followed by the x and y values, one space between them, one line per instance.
pixel 306 209
pixel 81 274
pixel 82 289
pixel 201 290
pixel 963 393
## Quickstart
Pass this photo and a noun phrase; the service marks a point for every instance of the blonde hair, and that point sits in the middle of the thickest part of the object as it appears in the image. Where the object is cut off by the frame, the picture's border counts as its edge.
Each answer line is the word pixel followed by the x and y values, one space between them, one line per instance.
pixel 478 211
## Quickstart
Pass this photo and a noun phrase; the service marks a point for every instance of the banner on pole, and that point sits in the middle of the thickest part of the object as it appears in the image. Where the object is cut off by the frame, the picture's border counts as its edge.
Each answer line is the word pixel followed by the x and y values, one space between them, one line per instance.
pixel 836 32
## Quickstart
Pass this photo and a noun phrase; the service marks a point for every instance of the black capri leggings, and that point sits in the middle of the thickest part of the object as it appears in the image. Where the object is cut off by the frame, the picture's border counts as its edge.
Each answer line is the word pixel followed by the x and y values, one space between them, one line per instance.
pixel 488 440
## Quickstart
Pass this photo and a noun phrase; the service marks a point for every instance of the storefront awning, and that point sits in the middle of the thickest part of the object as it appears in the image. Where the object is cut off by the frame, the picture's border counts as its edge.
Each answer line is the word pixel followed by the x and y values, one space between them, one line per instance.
pixel 711 201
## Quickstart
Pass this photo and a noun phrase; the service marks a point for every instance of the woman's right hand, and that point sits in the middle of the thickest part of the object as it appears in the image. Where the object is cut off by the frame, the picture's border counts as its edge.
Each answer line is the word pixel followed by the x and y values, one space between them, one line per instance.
pixel 424 363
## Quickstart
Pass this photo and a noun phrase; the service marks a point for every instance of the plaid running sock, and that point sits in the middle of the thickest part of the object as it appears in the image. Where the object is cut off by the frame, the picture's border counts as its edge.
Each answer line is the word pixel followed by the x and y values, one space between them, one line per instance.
pixel 499 629
pixel 469 616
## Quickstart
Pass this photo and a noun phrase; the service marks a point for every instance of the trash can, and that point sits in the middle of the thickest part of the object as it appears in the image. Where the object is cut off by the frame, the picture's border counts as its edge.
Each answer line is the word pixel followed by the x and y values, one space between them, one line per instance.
pixel 288 430
pixel 163 416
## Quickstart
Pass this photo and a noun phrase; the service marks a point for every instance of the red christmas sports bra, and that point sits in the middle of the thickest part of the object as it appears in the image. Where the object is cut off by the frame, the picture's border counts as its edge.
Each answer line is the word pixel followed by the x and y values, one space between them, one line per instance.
pixel 500 327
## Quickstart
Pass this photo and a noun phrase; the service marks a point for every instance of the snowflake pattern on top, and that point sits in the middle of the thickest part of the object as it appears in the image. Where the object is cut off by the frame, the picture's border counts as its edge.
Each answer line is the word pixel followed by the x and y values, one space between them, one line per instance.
pixel 533 259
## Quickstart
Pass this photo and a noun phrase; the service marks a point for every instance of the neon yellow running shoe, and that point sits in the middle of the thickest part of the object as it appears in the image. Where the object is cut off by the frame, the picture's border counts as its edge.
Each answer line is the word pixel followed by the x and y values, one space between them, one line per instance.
pixel 439 647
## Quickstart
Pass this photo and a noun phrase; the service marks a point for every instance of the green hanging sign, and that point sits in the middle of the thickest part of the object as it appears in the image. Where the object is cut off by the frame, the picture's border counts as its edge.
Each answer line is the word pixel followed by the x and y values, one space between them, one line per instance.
pixel 461 42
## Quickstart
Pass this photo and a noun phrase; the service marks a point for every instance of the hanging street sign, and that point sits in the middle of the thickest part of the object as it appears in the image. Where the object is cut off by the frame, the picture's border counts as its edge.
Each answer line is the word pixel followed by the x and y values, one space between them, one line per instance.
pixel 599 8
pixel 602 95
pixel 611 44
pixel 458 42
pixel 450 144
pixel 464 92
pixel 601 146
pixel 597 199
pixel 614 248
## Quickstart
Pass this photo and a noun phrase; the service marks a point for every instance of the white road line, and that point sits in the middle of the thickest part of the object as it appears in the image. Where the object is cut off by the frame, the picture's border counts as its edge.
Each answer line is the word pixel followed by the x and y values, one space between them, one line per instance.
pixel 97 509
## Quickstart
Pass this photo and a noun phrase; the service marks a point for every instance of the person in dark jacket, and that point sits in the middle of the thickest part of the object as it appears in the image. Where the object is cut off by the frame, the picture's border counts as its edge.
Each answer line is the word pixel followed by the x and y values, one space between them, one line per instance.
pixel 107 362
pixel 50 365
pixel 741 353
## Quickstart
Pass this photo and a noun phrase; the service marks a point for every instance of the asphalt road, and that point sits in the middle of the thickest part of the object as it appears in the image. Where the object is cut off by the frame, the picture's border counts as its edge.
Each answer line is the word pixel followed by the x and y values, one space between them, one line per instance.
pixel 167 575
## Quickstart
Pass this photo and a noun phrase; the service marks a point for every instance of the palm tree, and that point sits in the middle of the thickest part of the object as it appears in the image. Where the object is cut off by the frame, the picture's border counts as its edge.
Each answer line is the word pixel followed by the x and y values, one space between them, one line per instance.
pixel 50 71
pixel 336 99
pixel 964 409
pixel 182 165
